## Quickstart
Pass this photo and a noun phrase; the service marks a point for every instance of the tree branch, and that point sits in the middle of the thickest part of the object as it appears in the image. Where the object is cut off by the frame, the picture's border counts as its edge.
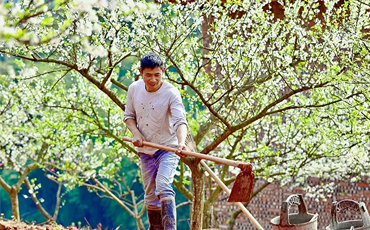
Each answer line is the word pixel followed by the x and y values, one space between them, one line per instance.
pixel 183 204
pixel 111 195
pixel 119 84
pixel 29 168
pixel 58 200
pixel 224 121
pixel 6 107
pixel 5 185
pixel 34 59
pixel 83 72
pixel 180 186
pixel 94 187
pixel 311 106
pixel 261 114
pixel 43 212
pixel 67 71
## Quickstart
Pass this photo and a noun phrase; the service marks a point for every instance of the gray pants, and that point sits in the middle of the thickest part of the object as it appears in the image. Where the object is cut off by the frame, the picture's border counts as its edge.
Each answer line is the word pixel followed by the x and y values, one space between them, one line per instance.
pixel 158 171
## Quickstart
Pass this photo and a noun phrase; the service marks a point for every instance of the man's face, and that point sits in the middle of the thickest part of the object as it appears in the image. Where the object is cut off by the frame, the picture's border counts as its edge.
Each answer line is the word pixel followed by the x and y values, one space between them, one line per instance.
pixel 152 78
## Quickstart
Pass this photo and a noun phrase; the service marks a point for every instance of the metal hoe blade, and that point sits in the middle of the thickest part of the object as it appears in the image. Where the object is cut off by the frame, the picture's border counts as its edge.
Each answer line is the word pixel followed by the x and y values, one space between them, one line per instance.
pixel 243 185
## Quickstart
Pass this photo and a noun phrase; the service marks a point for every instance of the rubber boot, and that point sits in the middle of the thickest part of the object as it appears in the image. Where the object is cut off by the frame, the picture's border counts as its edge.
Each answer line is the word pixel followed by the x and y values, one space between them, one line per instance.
pixel 155 220
pixel 168 213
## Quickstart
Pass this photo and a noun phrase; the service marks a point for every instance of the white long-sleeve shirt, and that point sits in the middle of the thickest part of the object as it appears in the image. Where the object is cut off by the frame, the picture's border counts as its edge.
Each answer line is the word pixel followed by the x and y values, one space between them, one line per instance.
pixel 157 114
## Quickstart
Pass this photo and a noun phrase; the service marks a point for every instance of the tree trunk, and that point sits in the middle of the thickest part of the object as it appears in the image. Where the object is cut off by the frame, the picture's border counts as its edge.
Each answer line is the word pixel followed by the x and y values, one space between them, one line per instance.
pixel 198 197
pixel 209 216
pixel 14 190
pixel 15 203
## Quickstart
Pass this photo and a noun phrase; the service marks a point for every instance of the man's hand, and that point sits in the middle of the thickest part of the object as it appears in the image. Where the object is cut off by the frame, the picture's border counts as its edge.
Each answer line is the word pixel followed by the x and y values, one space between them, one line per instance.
pixel 181 132
pixel 180 147
pixel 138 139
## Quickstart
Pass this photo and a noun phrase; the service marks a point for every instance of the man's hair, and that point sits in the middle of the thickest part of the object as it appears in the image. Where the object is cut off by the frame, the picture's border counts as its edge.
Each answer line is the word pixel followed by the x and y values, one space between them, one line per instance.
pixel 151 60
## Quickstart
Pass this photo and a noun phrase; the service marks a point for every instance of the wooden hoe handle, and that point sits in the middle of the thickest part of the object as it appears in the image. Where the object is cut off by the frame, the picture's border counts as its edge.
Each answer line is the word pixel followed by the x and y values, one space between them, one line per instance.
pixel 243 166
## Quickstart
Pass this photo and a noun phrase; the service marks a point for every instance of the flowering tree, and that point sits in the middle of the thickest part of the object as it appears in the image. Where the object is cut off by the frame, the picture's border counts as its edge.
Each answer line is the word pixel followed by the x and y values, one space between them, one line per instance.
pixel 288 94
pixel 69 131
pixel 295 85
pixel 61 135
pixel 18 135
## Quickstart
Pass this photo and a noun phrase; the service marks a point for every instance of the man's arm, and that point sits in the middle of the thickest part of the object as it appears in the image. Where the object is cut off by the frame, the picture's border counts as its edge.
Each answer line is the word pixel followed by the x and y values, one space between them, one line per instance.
pixel 178 119
pixel 138 138
pixel 181 132
pixel 130 118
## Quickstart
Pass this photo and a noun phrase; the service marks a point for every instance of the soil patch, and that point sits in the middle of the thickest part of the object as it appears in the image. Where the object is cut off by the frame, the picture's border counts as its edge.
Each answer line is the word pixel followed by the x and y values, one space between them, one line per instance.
pixel 15 225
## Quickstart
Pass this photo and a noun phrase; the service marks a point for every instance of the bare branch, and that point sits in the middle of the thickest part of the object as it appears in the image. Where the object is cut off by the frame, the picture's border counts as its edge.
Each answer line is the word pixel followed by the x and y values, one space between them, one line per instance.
pixel 367 4
pixel 5 185
pixel 33 59
pixel 43 212
pixel 224 121
pixel 311 106
pixel 183 204
pixel 39 75
pixel 180 186
pixel 29 168
pixel 119 84
pixel 60 78
pixel 58 200
pixel 6 107
pixel 111 195
pixel 261 114
pixel 97 188
pixel 83 72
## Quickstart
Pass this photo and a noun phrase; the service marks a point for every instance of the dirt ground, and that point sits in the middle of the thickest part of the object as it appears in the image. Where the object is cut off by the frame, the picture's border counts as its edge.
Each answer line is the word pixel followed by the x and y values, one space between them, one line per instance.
pixel 14 225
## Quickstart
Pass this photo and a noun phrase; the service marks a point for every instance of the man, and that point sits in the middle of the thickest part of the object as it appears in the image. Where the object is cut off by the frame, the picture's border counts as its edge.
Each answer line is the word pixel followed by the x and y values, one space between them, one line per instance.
pixel 155 113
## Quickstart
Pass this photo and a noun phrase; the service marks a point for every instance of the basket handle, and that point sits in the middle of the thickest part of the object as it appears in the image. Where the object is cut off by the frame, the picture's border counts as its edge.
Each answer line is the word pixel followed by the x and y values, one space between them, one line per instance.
pixel 352 205
pixel 295 199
